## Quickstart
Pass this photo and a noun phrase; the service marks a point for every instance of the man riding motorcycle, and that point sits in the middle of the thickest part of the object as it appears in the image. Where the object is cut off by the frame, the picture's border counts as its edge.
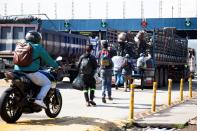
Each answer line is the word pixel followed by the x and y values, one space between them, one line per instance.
pixel 34 38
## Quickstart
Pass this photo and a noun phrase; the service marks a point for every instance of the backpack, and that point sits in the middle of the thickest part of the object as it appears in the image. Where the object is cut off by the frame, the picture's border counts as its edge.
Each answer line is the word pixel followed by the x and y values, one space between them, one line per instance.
pixel 105 60
pixel 86 66
pixel 23 54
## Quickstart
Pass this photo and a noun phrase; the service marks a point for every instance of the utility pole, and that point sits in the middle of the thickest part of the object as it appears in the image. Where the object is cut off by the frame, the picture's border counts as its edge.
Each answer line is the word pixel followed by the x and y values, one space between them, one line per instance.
pixel 172 11
pixel 124 9
pixel 90 10
pixel 38 4
pixel 196 7
pixel 160 8
pixel 179 8
pixel 107 9
pixel 55 10
pixel 73 9
pixel 22 9
pixel 142 9
pixel 5 9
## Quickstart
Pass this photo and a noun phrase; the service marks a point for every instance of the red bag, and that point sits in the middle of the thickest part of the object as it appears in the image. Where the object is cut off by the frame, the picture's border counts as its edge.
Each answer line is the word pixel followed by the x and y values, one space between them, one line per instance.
pixel 23 54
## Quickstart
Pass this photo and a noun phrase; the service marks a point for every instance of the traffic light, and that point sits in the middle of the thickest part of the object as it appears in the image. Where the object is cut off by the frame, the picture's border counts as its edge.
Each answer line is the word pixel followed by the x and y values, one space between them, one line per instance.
pixel 188 22
pixel 67 24
pixel 104 24
pixel 144 24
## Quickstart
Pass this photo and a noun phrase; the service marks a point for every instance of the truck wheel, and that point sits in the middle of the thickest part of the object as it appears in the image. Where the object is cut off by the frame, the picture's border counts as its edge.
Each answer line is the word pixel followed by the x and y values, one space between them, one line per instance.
pixel 161 77
pixel 165 76
pixel 157 77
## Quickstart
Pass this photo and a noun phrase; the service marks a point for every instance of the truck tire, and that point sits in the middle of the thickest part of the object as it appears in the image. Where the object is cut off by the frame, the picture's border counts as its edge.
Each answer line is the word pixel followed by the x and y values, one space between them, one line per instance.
pixel 165 77
pixel 157 77
pixel 161 77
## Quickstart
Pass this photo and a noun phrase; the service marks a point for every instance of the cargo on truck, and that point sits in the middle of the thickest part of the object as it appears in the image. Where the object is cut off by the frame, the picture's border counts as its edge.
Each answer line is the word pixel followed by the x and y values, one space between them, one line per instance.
pixel 169 54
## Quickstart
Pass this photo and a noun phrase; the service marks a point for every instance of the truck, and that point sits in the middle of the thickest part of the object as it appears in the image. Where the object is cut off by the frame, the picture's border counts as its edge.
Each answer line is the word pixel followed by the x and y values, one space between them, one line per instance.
pixel 69 46
pixel 169 58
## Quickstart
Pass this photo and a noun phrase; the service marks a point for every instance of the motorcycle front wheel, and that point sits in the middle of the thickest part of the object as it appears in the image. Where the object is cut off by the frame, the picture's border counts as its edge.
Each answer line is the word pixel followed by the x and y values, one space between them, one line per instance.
pixel 53 103
pixel 10 111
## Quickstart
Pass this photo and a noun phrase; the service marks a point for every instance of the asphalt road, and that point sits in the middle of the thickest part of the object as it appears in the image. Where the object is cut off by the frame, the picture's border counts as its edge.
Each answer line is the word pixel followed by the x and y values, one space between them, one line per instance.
pixel 74 111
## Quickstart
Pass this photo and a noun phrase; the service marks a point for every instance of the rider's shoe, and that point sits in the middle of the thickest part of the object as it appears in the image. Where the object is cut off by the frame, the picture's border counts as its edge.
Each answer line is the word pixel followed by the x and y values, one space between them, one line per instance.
pixel 40 103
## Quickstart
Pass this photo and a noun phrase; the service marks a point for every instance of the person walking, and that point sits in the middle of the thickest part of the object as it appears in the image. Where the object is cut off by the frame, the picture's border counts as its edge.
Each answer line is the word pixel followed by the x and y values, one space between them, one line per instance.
pixel 127 72
pixel 117 70
pixel 106 65
pixel 87 68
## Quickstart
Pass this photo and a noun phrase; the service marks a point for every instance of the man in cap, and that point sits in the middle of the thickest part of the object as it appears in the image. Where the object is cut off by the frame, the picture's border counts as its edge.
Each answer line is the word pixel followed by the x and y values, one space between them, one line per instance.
pixel 105 70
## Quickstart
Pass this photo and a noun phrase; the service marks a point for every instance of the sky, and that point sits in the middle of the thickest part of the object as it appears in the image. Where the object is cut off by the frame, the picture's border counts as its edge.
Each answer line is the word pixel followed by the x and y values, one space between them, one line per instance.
pixel 98 8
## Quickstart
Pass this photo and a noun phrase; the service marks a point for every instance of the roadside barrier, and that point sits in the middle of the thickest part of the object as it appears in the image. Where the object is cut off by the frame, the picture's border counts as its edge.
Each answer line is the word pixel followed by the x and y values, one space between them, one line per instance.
pixel 131 109
pixel 154 96
pixel 169 91
pixel 181 90
pixel 190 87
pixel 153 109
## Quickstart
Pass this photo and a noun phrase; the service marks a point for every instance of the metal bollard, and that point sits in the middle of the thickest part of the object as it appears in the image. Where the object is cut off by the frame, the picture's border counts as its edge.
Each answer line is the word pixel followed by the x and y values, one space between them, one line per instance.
pixel 154 96
pixel 131 109
pixel 190 87
pixel 169 91
pixel 181 90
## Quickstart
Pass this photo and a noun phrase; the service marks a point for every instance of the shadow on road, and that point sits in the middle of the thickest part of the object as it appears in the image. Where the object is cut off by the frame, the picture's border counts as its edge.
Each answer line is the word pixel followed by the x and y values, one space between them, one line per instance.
pixel 66 121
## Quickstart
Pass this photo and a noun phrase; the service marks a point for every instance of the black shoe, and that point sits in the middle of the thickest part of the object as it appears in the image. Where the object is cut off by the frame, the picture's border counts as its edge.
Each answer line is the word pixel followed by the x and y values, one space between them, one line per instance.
pixel 110 98
pixel 92 103
pixel 87 104
pixel 103 100
pixel 116 87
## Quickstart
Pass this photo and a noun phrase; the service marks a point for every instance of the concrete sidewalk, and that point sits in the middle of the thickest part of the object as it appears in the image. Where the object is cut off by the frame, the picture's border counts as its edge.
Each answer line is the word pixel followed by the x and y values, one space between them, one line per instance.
pixel 173 117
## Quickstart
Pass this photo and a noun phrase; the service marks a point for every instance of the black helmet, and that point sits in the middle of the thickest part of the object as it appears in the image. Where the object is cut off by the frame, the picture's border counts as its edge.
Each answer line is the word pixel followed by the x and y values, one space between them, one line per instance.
pixel 104 43
pixel 33 36
pixel 89 48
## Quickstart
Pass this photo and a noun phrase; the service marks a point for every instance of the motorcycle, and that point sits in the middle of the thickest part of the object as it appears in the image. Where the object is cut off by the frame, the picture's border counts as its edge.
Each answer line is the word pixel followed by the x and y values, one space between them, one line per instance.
pixel 19 97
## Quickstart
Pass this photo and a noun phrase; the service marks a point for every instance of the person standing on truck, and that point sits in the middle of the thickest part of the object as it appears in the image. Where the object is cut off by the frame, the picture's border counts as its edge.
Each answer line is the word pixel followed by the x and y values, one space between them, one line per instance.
pixel 106 65
pixel 141 65
pixel 141 42
pixel 192 62
pixel 32 41
pixel 87 68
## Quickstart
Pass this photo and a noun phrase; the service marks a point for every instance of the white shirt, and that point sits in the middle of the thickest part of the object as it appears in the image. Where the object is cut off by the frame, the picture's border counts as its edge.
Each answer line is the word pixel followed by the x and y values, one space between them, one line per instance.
pixel 118 62
pixel 142 59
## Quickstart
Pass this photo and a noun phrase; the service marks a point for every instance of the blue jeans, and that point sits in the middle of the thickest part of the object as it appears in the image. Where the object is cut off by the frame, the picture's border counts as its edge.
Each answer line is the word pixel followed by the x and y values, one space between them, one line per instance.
pixel 118 77
pixel 106 76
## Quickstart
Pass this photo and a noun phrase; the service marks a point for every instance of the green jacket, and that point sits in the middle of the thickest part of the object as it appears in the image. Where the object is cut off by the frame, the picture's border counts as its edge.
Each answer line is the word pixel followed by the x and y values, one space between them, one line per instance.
pixel 38 53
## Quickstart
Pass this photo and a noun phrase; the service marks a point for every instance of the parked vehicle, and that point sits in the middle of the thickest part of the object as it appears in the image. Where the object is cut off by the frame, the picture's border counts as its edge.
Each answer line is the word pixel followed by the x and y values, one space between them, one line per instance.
pixel 169 57
pixel 69 46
